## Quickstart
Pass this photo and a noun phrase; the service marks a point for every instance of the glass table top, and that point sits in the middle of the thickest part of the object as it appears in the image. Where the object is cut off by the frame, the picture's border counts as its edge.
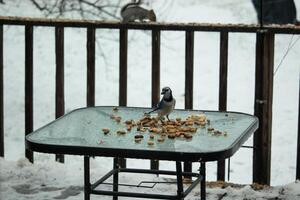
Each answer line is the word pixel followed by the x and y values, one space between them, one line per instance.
pixel 83 128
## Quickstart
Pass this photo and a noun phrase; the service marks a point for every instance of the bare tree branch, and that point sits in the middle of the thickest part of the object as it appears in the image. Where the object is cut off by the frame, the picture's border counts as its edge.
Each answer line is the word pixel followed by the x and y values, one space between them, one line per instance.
pixel 38 5
pixel 99 9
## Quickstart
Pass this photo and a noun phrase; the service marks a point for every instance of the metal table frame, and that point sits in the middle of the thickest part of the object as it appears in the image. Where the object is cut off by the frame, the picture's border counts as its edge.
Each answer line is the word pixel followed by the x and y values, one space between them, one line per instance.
pixel 123 152
pixel 181 194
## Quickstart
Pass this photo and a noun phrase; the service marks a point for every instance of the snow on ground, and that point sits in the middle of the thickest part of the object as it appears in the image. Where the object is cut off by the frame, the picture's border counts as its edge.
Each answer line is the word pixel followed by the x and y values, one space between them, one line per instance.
pixel 52 180
pixel 19 177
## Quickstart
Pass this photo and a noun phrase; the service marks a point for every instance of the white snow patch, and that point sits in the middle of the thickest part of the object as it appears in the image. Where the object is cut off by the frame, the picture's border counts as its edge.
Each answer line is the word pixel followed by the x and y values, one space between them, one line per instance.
pixel 19 175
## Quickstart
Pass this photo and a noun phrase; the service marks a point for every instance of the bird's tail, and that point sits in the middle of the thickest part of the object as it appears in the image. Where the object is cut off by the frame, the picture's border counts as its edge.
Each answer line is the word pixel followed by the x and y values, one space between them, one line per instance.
pixel 155 109
pixel 135 3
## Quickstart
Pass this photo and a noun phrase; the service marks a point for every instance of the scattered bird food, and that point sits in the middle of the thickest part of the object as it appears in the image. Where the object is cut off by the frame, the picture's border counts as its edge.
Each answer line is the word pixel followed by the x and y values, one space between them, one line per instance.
pixel 178 128
pixel 210 129
pixel 171 136
pixel 161 139
pixel 105 130
pixel 188 135
pixel 138 136
pixel 137 140
pixel 121 132
pixel 118 119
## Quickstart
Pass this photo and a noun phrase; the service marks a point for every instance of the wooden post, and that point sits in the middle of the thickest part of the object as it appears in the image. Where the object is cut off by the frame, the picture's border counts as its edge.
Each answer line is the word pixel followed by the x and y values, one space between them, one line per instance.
pixel 223 91
pixel 1 95
pixel 123 76
pixel 155 78
pixel 189 77
pixel 59 95
pixel 90 49
pixel 28 86
pixel 298 144
pixel 263 107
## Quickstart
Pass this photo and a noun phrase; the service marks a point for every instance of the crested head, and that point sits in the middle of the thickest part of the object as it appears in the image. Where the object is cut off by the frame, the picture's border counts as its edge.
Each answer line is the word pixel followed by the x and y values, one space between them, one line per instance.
pixel 167 92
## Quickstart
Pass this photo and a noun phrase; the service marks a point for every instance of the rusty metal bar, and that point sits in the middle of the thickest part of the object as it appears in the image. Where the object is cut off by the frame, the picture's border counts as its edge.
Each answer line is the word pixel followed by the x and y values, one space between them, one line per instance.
pixel 90 47
pixel 1 95
pixel 263 107
pixel 285 29
pixel 298 143
pixel 189 77
pixel 123 76
pixel 59 94
pixel 223 91
pixel 155 78
pixel 28 86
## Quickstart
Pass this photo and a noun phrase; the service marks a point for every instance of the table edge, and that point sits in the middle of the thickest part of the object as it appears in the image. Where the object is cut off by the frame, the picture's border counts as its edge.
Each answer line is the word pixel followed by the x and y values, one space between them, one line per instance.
pixel 143 154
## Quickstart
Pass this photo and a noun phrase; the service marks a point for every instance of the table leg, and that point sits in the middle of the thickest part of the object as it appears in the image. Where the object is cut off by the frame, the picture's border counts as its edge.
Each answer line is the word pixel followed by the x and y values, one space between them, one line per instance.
pixel 202 184
pixel 179 180
pixel 87 184
pixel 116 177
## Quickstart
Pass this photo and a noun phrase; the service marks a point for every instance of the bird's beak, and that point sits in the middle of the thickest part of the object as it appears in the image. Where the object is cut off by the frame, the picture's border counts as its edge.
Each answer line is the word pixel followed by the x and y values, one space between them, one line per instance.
pixel 163 92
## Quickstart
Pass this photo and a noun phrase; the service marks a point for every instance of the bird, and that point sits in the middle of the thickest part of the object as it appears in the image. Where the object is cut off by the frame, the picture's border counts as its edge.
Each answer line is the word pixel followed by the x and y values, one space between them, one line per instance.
pixel 166 104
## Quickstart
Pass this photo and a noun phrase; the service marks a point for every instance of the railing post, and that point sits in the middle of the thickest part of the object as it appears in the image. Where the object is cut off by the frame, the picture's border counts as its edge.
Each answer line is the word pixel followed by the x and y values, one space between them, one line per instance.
pixel 90 47
pixel 123 75
pixel 1 95
pixel 59 95
pixel 189 74
pixel 223 91
pixel 298 144
pixel 28 86
pixel 263 107
pixel 155 78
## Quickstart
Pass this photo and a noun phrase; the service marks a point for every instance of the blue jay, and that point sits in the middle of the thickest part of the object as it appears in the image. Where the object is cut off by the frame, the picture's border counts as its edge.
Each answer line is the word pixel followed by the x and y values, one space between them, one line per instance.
pixel 166 104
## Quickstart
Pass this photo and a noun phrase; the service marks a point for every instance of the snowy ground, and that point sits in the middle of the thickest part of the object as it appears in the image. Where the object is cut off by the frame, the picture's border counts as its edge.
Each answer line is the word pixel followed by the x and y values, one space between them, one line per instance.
pixel 47 179
pixel 50 180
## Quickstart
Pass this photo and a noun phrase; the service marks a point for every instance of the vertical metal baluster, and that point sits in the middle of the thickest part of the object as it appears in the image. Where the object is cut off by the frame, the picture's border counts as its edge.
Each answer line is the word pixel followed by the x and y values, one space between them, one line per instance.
pixel 298 144
pixel 28 86
pixel 90 47
pixel 1 95
pixel 123 75
pixel 59 96
pixel 179 180
pixel 203 180
pixel 155 78
pixel 116 178
pixel 189 76
pixel 261 19
pixel 228 170
pixel 223 91
pixel 87 184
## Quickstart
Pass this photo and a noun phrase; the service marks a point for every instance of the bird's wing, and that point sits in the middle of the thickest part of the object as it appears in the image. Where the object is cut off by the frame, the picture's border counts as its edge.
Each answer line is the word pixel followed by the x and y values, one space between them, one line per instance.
pixel 160 104
pixel 174 103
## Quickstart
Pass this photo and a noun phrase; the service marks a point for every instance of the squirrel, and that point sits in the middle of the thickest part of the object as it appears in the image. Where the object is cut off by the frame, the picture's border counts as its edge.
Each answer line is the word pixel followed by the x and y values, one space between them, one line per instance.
pixel 132 12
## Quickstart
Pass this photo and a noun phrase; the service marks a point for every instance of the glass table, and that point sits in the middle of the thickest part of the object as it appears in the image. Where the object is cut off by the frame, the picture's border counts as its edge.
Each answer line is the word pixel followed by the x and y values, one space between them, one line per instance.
pixel 80 133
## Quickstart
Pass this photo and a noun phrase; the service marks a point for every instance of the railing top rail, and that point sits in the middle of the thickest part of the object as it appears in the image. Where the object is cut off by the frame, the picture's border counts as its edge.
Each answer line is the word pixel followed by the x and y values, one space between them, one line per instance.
pixel 216 27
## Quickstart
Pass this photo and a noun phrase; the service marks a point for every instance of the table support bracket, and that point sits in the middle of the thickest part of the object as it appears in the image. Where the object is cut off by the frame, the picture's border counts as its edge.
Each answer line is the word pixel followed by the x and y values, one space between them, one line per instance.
pixel 181 194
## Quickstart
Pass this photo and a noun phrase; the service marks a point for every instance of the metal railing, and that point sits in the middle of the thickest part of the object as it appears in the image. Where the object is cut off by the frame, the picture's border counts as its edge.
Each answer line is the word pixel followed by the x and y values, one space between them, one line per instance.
pixel 263 75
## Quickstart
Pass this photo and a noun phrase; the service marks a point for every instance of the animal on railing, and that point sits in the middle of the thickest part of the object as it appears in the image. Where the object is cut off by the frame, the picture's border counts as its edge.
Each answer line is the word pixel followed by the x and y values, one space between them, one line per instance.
pixel 134 12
